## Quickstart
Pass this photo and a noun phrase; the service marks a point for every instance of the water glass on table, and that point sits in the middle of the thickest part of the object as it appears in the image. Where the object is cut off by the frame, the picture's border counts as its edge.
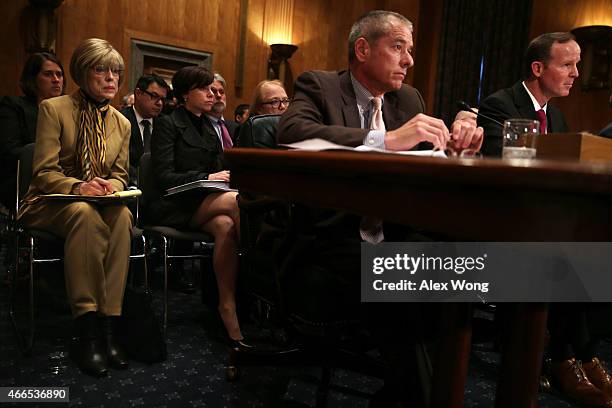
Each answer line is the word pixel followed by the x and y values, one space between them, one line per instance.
pixel 519 138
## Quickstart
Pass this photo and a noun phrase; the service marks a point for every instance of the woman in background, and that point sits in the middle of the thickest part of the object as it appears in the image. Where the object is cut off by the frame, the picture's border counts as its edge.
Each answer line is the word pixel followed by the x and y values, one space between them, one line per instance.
pixel 42 77
pixel 185 148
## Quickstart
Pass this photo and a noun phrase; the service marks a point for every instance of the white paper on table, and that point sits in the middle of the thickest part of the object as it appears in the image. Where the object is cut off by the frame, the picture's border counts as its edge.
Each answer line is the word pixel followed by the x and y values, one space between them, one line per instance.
pixel 318 145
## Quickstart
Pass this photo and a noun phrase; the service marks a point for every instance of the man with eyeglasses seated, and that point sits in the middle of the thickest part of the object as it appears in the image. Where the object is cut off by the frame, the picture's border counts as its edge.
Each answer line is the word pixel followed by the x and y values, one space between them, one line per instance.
pixel 149 96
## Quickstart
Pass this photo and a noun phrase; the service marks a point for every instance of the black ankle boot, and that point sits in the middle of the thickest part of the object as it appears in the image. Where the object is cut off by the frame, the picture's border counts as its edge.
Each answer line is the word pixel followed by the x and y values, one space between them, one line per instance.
pixel 115 353
pixel 87 351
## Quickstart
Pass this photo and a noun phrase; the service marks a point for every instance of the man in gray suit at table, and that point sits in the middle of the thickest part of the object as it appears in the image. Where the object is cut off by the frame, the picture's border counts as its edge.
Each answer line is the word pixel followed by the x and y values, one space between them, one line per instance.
pixel 549 71
pixel 368 104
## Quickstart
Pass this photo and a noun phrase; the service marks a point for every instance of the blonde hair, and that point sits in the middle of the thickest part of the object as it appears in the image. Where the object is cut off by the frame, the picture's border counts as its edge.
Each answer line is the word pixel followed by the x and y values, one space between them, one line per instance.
pixel 256 104
pixel 92 52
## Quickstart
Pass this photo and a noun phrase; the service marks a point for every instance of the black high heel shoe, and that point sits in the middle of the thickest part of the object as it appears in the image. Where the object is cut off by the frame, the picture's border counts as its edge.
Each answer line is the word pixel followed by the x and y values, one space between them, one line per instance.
pixel 239 345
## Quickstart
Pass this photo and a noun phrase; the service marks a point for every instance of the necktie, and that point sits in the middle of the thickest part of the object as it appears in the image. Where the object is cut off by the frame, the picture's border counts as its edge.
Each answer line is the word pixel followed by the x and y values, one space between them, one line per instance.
pixel 542 118
pixel 371 228
pixel 146 135
pixel 377 122
pixel 225 136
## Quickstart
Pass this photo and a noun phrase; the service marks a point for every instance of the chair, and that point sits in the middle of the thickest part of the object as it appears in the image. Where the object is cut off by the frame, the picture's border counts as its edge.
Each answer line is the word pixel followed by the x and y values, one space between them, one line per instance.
pixel 36 242
pixel 259 131
pixel 167 234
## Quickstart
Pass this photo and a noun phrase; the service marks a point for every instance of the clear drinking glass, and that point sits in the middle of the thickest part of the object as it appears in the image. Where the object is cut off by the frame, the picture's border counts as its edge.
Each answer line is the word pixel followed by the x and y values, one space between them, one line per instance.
pixel 519 138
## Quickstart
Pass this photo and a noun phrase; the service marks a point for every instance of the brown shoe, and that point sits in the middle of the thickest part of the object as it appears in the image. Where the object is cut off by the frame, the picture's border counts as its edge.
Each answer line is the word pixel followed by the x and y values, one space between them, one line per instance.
pixel 570 379
pixel 597 374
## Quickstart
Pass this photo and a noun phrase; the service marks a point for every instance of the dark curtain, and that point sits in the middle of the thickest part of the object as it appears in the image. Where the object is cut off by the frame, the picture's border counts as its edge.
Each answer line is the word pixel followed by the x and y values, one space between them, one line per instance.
pixel 488 33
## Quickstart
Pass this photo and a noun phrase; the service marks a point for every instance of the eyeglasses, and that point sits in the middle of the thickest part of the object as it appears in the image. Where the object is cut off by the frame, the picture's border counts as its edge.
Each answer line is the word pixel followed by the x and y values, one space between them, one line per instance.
pixel 155 98
pixel 103 69
pixel 276 103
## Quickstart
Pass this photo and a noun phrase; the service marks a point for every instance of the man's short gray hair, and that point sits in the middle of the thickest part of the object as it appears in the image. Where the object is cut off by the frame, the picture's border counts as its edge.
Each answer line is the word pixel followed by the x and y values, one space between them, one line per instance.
pixel 219 78
pixel 372 26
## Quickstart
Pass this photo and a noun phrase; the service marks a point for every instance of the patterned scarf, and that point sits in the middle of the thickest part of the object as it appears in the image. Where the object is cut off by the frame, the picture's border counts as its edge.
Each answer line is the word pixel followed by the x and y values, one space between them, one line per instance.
pixel 91 138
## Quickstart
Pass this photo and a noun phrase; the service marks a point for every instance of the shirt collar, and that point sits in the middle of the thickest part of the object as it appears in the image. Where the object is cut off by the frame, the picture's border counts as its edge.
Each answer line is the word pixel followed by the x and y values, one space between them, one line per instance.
pixel 140 118
pixel 363 95
pixel 536 105
pixel 215 120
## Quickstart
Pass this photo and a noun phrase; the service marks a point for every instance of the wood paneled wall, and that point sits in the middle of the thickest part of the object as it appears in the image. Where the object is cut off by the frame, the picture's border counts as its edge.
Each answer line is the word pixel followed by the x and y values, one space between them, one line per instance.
pixel 320 29
pixel 583 110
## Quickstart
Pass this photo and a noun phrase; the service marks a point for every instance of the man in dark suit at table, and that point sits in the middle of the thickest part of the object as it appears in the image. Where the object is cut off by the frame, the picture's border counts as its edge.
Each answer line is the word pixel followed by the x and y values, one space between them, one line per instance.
pixel 149 97
pixel 368 104
pixel 550 68
pixel 549 71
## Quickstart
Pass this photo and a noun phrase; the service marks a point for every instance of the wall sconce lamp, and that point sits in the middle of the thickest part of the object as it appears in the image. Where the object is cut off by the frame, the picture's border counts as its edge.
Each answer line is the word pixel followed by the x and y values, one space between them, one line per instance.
pixel 596 56
pixel 278 67
pixel 40 25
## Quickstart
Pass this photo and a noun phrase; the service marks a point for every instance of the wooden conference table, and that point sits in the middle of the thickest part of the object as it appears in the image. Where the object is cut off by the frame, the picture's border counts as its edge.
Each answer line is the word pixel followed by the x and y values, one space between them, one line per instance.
pixel 481 200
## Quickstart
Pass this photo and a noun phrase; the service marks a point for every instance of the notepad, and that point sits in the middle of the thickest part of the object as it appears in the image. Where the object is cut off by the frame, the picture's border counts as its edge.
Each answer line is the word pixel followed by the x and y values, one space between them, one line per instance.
pixel 212 185
pixel 118 196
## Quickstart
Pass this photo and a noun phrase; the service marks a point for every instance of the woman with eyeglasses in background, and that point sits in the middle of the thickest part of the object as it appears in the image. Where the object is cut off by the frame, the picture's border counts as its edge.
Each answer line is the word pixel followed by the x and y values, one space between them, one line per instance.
pixel 269 98
pixel 82 149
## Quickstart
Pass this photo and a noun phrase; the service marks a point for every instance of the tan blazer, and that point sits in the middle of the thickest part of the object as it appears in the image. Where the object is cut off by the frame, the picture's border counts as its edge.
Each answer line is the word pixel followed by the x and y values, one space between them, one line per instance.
pixel 56 143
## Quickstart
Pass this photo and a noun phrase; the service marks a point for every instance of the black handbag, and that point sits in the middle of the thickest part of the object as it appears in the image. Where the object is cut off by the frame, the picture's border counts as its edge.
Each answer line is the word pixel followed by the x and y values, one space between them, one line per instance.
pixel 141 331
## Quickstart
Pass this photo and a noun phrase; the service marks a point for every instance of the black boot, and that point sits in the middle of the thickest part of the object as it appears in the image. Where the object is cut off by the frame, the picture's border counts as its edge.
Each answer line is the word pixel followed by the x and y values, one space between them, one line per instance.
pixel 87 351
pixel 115 353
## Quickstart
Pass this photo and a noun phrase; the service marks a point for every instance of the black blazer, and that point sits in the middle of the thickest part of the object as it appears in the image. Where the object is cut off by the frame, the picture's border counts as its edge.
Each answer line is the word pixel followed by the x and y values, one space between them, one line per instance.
pixel 181 154
pixel 136 143
pixel 18 117
pixel 509 103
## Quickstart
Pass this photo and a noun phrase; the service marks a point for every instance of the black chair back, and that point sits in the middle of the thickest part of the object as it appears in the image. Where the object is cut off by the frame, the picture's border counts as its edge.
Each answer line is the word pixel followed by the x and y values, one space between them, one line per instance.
pixel 259 131
pixel 24 171
pixel 146 180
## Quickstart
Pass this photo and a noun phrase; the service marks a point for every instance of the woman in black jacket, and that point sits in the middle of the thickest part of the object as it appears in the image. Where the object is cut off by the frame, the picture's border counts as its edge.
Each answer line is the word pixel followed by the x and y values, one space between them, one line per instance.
pixel 185 147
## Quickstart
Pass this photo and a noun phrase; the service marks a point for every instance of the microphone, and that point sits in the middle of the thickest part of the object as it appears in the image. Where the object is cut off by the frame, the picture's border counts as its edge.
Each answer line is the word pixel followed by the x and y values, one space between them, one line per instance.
pixel 462 105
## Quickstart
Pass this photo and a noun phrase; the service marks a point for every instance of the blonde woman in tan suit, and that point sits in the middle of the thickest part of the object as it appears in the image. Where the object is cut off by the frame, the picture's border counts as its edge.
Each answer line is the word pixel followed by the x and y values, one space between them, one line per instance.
pixel 82 148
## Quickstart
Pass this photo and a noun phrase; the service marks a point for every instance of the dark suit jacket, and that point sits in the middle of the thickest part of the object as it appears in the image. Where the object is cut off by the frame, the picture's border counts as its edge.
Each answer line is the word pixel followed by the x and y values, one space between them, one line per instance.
pixel 510 103
pixel 18 116
pixel 136 143
pixel 181 154
pixel 325 107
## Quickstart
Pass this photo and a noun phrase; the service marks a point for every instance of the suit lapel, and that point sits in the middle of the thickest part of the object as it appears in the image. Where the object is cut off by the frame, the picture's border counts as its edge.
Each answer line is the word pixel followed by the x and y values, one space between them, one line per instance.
pixel 211 137
pixel 349 107
pixel 391 111
pixel 523 102
pixel 206 138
